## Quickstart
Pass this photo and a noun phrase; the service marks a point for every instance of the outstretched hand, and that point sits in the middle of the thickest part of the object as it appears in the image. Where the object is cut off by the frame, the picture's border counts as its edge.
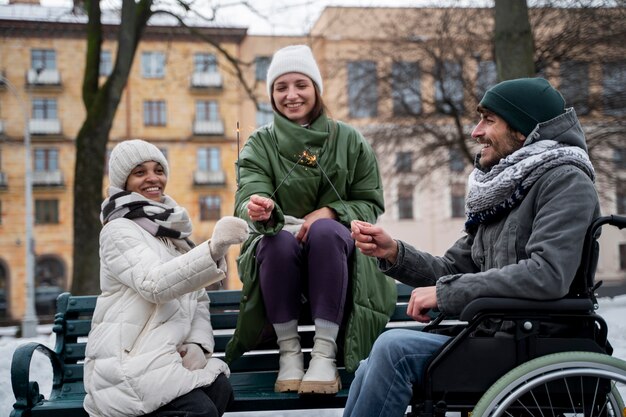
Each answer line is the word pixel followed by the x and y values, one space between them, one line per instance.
pixel 260 208
pixel 228 231
pixel 374 241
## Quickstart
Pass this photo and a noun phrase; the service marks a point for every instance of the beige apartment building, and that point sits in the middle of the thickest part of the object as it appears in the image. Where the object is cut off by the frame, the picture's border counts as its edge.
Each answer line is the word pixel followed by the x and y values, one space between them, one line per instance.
pixel 380 75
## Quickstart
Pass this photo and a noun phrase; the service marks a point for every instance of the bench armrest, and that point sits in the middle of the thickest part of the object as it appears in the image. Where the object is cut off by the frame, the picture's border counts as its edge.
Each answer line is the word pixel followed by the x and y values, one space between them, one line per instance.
pixel 512 305
pixel 27 392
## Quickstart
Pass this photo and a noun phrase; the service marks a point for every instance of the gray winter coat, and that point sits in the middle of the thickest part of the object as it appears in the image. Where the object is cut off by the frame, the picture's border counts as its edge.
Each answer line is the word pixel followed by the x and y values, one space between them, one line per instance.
pixel 533 252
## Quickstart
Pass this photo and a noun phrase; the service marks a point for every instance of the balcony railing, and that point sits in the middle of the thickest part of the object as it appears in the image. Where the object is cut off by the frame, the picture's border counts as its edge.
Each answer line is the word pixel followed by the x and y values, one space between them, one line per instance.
pixel 43 77
pixel 47 178
pixel 208 127
pixel 206 80
pixel 44 126
pixel 209 178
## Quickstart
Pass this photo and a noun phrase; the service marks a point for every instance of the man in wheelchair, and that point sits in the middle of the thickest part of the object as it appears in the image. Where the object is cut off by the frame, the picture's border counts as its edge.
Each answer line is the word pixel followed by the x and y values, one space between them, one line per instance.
pixel 531 199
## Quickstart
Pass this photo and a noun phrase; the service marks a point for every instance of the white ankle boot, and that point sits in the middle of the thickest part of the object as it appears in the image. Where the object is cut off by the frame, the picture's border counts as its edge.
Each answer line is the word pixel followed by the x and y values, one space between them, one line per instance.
pixel 291 362
pixel 322 376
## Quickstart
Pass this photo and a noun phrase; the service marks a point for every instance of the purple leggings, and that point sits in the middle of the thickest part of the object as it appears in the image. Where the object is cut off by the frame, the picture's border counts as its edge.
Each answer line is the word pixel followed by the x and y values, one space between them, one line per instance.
pixel 320 264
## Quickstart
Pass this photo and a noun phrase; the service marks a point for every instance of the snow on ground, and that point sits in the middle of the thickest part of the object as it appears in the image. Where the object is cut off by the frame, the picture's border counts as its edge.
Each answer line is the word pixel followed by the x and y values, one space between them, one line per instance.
pixel 613 310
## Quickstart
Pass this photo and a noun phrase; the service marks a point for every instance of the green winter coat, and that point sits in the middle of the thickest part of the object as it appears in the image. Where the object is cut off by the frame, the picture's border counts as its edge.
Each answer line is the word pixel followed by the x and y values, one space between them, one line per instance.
pixel 269 157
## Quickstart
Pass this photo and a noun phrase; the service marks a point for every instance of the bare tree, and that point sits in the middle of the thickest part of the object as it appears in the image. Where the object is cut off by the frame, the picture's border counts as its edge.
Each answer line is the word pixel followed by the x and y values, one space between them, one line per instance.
pixel 428 70
pixel 101 102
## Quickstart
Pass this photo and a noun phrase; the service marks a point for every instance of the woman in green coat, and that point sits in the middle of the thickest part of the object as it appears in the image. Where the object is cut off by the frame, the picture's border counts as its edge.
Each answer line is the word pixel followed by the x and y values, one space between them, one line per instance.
pixel 302 179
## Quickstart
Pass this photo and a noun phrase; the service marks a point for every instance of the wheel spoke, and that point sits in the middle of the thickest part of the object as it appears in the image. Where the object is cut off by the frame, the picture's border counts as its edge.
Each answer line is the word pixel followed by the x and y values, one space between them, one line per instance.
pixel 549 397
pixel 539 407
pixel 595 394
pixel 569 395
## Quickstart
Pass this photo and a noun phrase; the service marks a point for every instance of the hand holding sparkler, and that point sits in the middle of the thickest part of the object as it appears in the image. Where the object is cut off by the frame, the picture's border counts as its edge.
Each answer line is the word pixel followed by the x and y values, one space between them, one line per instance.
pixel 260 208
pixel 373 241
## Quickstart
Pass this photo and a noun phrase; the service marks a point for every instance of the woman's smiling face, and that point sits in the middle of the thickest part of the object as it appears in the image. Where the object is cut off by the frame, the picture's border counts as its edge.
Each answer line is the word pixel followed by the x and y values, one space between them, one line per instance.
pixel 294 96
pixel 147 179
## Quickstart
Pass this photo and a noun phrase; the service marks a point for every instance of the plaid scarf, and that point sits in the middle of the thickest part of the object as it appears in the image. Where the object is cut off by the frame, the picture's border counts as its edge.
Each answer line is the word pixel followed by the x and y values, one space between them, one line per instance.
pixel 495 193
pixel 164 219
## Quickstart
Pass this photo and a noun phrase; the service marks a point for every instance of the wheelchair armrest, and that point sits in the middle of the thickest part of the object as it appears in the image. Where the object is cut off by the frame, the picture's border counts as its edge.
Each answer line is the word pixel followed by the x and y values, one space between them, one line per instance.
pixel 27 392
pixel 509 305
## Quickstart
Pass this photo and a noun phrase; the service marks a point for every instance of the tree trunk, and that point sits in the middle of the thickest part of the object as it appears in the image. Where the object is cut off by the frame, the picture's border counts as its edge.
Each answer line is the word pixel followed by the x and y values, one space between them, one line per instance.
pixel 101 104
pixel 513 40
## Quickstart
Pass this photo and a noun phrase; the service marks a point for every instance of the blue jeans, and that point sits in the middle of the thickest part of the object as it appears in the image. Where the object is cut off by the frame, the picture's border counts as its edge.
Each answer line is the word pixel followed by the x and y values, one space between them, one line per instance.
pixel 383 382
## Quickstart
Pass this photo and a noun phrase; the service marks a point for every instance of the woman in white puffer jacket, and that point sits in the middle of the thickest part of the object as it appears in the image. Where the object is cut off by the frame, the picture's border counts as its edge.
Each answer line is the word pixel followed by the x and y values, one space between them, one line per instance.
pixel 150 345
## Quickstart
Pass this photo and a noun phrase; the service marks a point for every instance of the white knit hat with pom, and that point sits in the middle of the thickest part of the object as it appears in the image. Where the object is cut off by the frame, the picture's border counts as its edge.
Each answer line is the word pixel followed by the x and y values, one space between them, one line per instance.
pixel 127 155
pixel 293 58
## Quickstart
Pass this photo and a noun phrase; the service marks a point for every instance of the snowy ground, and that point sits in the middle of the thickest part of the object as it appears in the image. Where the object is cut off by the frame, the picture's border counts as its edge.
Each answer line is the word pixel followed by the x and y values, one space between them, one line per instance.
pixel 612 309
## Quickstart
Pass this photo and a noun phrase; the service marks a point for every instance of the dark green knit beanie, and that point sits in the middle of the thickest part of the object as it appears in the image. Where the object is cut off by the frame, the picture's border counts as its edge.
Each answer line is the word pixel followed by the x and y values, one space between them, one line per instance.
pixel 524 102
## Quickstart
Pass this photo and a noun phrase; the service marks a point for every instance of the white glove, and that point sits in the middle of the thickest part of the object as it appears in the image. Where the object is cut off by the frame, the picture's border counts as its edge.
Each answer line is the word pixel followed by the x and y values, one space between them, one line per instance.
pixel 193 356
pixel 228 231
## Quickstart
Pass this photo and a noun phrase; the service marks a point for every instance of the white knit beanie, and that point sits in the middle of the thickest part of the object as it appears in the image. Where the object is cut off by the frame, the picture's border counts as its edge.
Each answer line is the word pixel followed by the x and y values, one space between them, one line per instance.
pixel 293 58
pixel 127 155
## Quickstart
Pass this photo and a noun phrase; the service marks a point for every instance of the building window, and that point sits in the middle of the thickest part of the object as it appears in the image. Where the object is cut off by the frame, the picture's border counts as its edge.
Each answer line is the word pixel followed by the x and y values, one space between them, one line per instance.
pixel 405 202
pixel 203 62
pixel 264 114
pixel 0 211
pixel 46 211
pixel 362 89
pixel 210 208
pixel 43 59
pixel 613 90
pixel 456 161
pixel 209 159
pixel 449 88
pixel 261 64
pixel 575 85
pixel 154 113
pixel 404 161
pixel 619 158
pixel 486 78
pixel 153 64
pixel 620 197
pixel 106 63
pixel 49 283
pixel 44 108
pixel 164 152
pixel 405 83
pixel 207 110
pixel 622 257
pixel 46 159
pixel 457 200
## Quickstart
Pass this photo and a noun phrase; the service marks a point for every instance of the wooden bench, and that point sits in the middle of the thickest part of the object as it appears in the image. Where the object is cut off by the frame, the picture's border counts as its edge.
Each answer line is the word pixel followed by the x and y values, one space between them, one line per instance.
pixel 252 376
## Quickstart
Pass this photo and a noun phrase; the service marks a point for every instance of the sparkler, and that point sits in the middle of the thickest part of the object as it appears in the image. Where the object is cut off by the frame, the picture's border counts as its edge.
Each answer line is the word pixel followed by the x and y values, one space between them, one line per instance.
pixel 310 159
pixel 238 150
pixel 332 185
pixel 302 156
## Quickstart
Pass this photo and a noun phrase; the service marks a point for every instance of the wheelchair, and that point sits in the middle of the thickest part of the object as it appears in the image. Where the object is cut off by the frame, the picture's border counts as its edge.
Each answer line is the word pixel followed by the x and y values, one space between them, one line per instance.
pixel 554 360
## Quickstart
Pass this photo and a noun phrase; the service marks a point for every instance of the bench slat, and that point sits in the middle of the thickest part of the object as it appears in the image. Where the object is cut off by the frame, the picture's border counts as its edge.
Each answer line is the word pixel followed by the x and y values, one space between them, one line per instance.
pixel 78 328
pixel 81 304
pixel 75 352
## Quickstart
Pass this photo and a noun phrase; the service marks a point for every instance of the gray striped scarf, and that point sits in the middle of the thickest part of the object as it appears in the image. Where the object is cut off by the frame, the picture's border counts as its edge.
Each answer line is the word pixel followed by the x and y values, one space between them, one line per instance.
pixel 494 193
pixel 166 219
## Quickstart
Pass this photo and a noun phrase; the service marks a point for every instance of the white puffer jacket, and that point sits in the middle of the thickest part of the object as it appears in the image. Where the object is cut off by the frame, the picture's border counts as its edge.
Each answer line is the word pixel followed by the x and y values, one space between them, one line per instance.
pixel 153 301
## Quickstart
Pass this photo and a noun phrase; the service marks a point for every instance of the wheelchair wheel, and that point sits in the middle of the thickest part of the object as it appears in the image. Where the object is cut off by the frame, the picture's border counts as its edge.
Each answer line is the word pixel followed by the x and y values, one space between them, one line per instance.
pixel 570 384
